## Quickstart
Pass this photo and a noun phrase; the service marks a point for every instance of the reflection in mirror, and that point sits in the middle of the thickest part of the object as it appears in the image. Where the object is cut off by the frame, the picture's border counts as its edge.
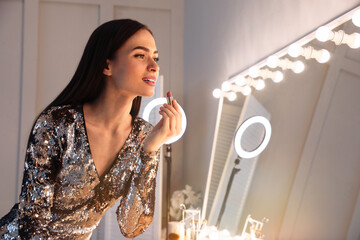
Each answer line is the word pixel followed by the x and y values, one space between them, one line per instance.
pixel 235 178
pixel 315 119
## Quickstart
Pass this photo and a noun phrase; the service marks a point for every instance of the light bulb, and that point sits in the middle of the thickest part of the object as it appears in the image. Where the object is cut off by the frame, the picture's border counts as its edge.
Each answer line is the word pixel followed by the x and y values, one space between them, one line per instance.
pixel 213 228
pixel 340 37
pixel 217 93
pixel 299 67
pixel 272 61
pixel 356 18
pixel 259 84
pixel 356 42
pixel 323 56
pixel 294 50
pixel 231 96
pixel 226 86
pixel 323 34
pixel 240 80
pixel 225 233
pixel 279 76
pixel 254 72
pixel 214 236
pixel 246 90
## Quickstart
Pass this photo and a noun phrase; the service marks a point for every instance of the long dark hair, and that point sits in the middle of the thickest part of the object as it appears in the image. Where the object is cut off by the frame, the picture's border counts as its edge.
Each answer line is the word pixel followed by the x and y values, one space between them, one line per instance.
pixel 88 80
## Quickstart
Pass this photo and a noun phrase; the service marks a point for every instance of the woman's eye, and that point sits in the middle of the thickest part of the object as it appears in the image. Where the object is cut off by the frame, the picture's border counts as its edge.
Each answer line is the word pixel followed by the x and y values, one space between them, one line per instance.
pixel 140 56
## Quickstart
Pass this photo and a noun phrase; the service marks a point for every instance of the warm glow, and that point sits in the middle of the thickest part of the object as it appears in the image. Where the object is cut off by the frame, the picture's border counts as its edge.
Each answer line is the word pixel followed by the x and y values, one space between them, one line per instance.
pixel 240 80
pixel 272 61
pixel 356 18
pixel 254 77
pixel 279 76
pixel 294 50
pixel 323 56
pixel 231 96
pixel 254 72
pixel 212 233
pixel 299 67
pixel 217 93
pixel 246 90
pixel 356 40
pixel 323 34
pixel 226 86
pixel 259 84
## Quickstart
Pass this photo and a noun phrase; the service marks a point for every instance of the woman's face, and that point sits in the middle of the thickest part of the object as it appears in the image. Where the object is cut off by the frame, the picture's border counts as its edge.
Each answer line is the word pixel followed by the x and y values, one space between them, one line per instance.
pixel 134 70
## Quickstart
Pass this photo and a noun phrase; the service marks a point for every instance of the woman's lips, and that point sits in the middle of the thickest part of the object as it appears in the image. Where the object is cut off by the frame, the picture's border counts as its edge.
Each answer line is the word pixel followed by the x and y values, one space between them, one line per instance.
pixel 150 80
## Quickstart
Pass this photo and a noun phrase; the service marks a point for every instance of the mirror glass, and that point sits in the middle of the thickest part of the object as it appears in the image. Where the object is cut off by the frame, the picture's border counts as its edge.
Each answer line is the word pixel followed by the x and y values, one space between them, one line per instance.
pixel 313 152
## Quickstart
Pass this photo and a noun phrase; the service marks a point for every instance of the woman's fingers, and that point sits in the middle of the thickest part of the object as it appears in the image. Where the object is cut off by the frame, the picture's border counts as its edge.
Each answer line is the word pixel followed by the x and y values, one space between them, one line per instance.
pixel 173 114
pixel 179 117
pixel 165 119
pixel 170 116
pixel 168 127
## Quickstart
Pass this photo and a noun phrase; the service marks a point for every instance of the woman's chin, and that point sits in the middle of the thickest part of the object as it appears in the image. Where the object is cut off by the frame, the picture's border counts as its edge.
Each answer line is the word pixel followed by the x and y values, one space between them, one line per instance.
pixel 148 94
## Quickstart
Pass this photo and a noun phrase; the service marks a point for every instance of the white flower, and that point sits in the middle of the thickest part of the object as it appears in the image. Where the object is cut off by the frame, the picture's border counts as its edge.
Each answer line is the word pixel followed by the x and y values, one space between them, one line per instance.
pixel 187 197
pixel 192 199
pixel 175 213
pixel 177 199
pixel 187 190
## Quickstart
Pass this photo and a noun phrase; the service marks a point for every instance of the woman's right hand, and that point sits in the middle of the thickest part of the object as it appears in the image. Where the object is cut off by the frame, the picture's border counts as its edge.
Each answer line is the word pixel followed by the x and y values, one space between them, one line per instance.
pixel 169 126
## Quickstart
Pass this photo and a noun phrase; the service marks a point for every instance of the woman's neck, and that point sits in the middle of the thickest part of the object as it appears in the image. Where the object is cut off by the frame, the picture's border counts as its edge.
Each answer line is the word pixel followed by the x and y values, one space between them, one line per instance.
pixel 109 111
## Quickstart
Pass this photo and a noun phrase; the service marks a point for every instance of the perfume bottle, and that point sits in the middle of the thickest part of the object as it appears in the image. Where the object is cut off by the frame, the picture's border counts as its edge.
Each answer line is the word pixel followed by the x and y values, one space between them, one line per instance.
pixel 192 223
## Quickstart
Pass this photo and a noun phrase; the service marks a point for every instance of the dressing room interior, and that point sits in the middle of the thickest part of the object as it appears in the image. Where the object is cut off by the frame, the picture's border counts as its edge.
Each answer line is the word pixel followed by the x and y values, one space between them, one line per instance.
pixel 269 91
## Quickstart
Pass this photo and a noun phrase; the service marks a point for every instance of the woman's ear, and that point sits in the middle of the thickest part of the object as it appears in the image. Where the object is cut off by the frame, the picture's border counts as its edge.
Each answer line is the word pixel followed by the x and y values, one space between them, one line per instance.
pixel 107 69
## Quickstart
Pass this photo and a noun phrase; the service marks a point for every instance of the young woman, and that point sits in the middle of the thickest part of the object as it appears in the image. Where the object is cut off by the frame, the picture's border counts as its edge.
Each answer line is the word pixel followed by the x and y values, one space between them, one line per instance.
pixel 88 149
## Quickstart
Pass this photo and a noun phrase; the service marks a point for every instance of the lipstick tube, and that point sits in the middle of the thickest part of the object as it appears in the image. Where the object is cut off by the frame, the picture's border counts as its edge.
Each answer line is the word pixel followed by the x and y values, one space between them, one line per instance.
pixel 169 98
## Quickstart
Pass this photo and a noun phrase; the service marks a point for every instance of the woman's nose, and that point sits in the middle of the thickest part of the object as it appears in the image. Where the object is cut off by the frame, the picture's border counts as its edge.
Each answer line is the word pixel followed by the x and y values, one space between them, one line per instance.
pixel 153 66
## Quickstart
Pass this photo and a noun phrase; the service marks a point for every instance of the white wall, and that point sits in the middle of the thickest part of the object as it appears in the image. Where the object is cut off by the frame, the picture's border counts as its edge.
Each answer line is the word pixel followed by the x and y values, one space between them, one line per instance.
pixel 10 70
pixel 221 39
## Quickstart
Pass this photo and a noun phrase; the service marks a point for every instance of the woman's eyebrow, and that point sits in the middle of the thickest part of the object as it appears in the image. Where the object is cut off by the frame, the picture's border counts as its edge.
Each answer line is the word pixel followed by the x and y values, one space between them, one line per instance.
pixel 143 48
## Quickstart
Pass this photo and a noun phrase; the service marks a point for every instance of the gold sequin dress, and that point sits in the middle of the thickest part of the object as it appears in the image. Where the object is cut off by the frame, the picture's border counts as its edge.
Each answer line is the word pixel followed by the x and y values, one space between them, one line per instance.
pixel 62 196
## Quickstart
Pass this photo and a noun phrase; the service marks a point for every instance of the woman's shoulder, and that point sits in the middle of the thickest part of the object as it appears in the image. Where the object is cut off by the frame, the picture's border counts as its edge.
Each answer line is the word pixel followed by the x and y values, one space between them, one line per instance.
pixel 143 124
pixel 61 114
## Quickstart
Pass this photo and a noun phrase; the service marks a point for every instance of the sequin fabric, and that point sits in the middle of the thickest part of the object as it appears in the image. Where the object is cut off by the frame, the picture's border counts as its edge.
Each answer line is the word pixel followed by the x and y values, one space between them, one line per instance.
pixel 62 196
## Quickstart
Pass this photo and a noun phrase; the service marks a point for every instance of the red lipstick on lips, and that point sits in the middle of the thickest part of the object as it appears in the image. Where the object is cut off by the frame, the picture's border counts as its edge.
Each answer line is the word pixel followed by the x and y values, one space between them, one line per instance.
pixel 150 80
pixel 169 98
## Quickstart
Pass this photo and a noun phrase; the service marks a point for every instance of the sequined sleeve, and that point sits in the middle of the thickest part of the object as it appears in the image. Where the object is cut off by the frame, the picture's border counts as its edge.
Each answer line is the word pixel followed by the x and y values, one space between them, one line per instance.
pixel 36 197
pixel 136 209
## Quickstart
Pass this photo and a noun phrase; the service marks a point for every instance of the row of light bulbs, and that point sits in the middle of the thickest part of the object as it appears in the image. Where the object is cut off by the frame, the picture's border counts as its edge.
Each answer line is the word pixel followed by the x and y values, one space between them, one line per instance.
pixel 255 76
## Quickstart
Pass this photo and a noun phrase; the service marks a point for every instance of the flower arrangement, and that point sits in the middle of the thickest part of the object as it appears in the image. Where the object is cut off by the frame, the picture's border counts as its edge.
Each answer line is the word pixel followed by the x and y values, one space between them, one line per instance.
pixel 188 197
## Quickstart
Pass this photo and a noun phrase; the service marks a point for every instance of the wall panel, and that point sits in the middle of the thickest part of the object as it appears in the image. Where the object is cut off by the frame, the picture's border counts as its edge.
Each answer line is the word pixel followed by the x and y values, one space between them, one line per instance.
pixel 10 69
pixel 64 29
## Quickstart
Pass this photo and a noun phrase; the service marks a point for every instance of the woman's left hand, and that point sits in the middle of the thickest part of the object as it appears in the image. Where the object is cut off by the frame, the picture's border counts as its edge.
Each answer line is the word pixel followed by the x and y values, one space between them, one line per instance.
pixel 169 126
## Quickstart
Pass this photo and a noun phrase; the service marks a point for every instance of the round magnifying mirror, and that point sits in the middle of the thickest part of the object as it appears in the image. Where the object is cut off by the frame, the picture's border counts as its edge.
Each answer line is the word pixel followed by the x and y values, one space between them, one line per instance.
pixel 240 150
pixel 160 101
